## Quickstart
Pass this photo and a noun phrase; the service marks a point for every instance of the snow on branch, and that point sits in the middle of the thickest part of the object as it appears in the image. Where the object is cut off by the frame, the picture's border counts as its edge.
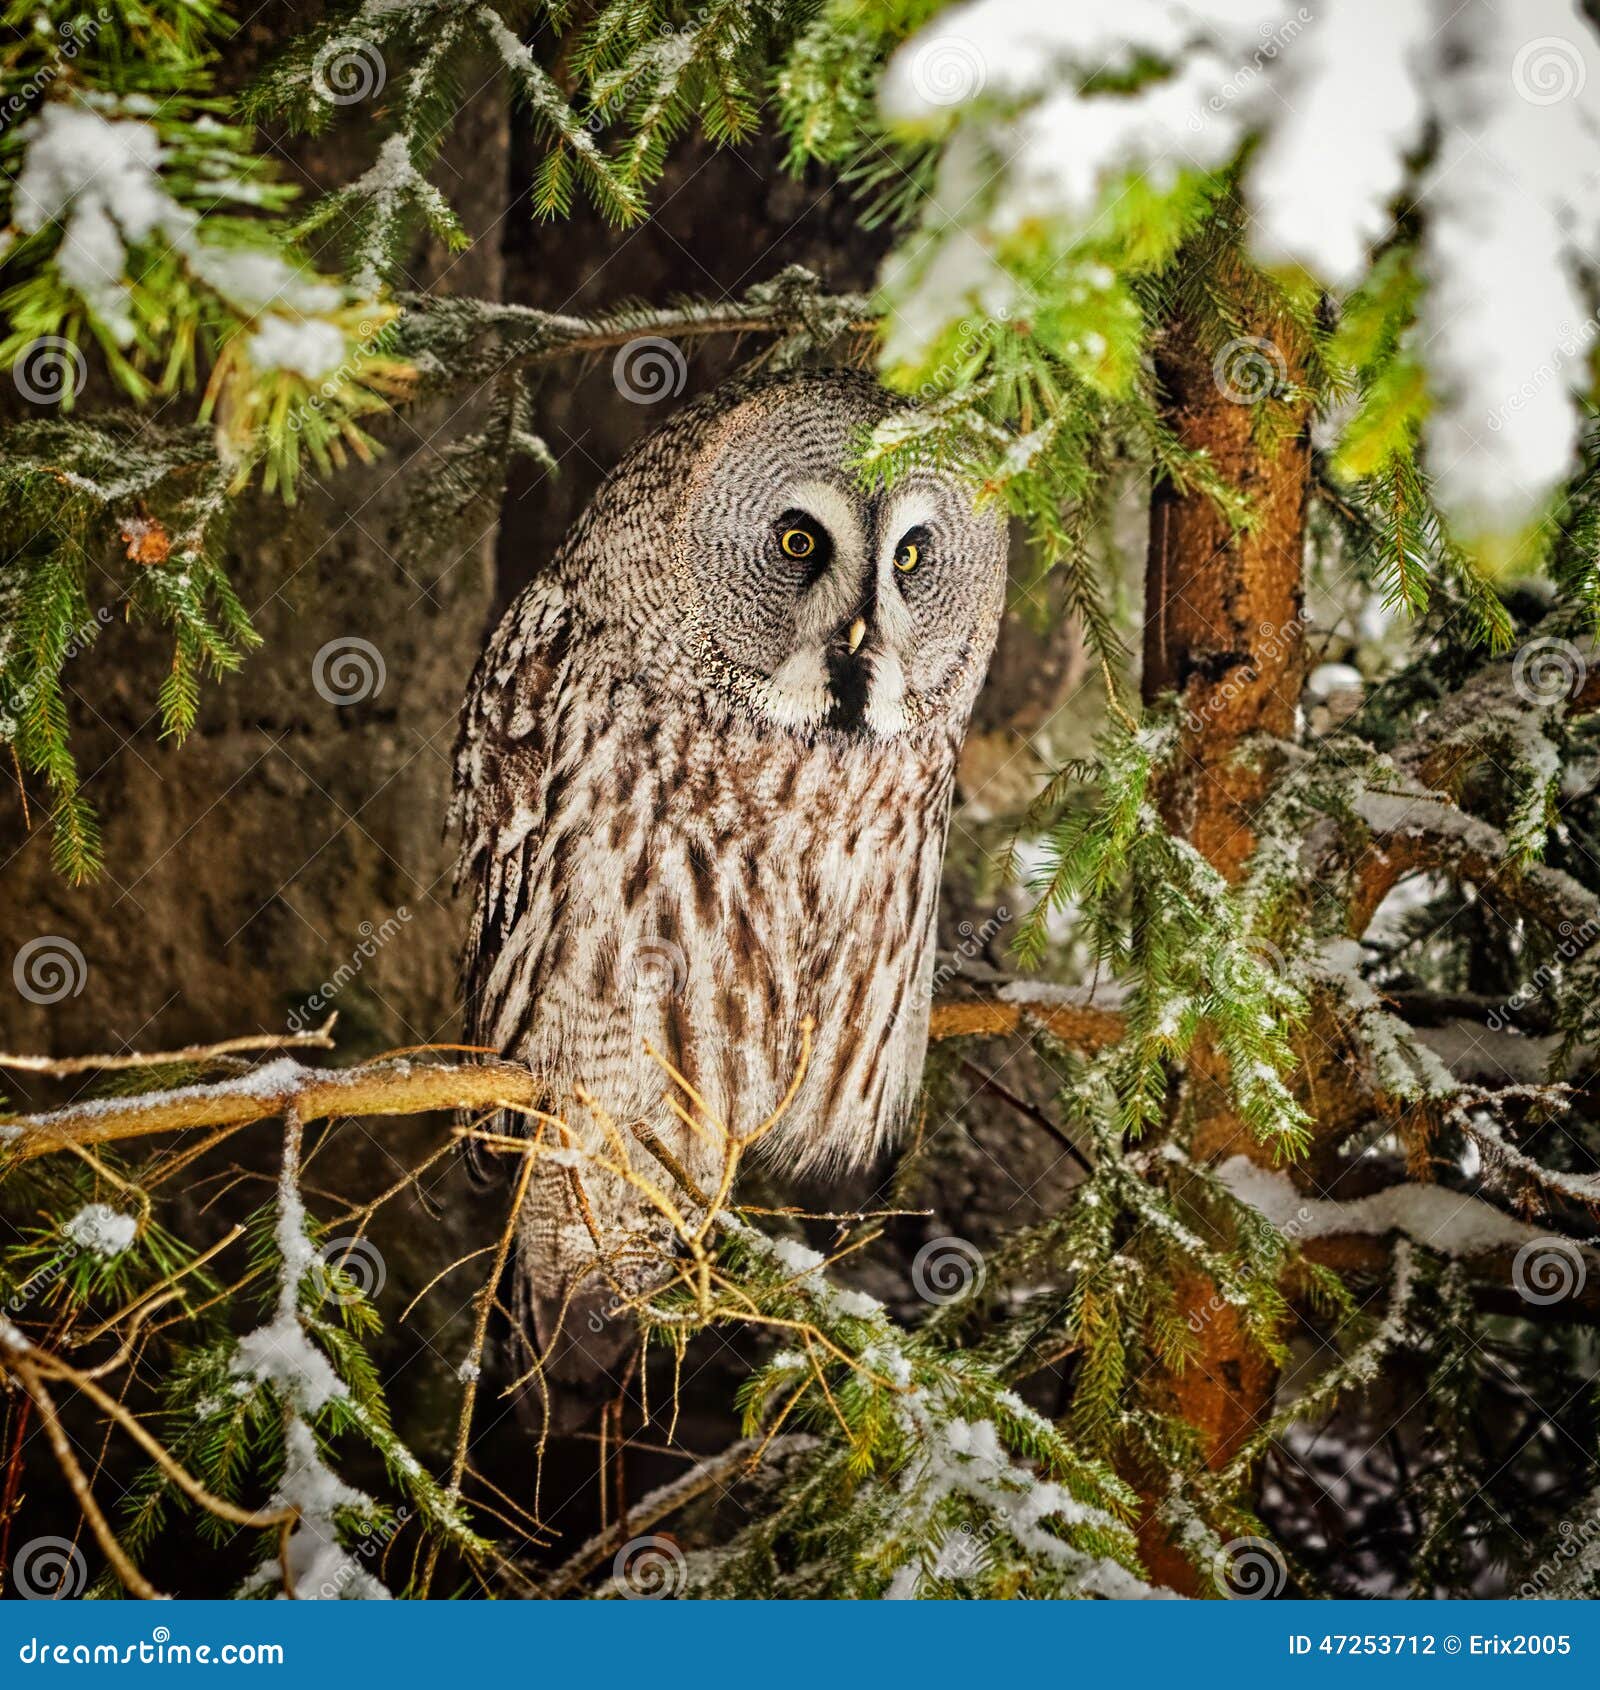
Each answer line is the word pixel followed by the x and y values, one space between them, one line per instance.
pixel 1518 1268
pixel 1418 829
pixel 1081 101
pixel 402 1087
pixel 409 1086
pixel 1451 1223
pixel 459 341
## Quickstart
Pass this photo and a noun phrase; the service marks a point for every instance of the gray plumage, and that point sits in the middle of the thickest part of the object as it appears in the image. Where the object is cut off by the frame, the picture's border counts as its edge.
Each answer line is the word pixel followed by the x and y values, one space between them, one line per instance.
pixel 692 816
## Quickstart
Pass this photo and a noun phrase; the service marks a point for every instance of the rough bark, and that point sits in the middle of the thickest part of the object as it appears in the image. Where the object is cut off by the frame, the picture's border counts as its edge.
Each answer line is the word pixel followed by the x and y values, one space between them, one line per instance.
pixel 1223 631
pixel 242 863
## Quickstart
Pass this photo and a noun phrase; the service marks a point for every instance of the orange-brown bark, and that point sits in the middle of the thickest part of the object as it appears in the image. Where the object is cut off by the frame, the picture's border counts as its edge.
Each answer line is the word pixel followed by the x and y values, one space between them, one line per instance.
pixel 1224 632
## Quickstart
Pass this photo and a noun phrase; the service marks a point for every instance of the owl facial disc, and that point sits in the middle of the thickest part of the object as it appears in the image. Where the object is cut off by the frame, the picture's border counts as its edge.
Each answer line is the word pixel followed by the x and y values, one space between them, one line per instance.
pixel 823 604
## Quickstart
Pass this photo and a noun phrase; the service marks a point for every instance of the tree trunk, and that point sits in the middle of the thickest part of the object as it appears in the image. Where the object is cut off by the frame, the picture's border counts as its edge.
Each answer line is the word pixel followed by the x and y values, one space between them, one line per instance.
pixel 1224 632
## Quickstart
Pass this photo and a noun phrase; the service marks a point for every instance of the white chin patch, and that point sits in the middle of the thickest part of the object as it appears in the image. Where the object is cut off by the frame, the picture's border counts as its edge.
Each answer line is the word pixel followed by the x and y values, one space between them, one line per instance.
pixel 886 695
pixel 797 696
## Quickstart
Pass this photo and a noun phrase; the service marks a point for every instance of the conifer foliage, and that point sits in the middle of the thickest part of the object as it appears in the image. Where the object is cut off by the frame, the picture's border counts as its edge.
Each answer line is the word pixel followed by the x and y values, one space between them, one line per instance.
pixel 1313 929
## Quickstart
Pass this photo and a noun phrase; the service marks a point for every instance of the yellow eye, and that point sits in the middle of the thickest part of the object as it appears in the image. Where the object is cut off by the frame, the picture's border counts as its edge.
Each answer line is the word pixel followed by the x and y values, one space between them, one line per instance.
pixel 907 558
pixel 798 542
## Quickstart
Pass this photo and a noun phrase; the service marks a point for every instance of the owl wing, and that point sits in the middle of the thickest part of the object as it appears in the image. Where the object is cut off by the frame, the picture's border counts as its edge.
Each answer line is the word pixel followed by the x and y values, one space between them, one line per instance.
pixel 509 741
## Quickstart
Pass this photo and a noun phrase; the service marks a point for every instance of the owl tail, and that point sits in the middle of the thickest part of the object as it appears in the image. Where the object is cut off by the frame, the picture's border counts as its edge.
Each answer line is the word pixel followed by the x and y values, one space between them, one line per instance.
pixel 576 1336
pixel 573 1353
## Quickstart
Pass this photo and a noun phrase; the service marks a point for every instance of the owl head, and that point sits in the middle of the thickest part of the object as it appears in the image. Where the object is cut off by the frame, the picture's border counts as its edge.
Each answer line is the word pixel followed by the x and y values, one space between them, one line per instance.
pixel 821 605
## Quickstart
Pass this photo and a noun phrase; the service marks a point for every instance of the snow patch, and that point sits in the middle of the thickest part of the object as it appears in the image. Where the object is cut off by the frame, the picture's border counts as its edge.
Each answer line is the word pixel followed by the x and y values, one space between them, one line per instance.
pixel 101 1230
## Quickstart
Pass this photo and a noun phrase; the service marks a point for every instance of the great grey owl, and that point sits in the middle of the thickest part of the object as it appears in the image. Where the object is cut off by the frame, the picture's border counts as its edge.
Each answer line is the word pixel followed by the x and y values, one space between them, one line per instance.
pixel 703 781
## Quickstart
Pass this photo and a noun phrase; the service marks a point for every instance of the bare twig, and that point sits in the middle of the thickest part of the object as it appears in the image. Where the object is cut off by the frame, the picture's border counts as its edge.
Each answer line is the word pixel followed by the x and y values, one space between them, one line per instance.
pixel 320 1038
pixel 132 1579
pixel 480 1330
pixel 652 1509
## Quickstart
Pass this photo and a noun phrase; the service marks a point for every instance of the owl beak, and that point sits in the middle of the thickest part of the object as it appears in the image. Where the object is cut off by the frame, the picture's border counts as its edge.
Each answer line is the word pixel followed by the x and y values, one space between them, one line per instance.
pixel 858 632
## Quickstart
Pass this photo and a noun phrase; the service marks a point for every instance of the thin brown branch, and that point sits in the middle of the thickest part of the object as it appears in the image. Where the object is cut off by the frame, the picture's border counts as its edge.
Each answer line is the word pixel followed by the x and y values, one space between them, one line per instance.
pixel 1085 1026
pixel 480 1330
pixel 132 1579
pixel 386 1088
pixel 650 1511
pixel 320 1038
